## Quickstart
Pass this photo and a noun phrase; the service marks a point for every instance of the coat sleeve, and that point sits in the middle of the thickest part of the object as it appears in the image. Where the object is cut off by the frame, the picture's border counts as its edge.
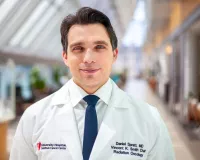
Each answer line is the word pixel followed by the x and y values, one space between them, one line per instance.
pixel 162 148
pixel 22 147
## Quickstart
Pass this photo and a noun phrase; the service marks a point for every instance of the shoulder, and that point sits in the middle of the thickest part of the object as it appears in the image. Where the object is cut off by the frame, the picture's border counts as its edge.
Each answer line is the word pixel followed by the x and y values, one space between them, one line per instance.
pixel 147 116
pixel 143 110
pixel 138 108
pixel 40 106
pixel 44 106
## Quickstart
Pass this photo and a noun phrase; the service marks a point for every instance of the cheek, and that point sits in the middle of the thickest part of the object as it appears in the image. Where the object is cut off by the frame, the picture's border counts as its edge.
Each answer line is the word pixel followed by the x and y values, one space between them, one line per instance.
pixel 107 62
pixel 74 61
pixel 73 66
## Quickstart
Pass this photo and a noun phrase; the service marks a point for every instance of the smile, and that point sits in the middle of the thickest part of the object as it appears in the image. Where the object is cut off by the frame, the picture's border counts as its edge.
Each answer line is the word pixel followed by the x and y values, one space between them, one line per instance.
pixel 90 70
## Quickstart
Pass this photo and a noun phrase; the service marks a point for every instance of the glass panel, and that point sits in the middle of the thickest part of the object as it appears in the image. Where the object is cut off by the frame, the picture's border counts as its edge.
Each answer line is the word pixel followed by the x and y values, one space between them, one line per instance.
pixel 1 82
pixel 139 14
pixel 5 7
pixel 7 99
pixel 1 1
pixel 29 23
pixel 46 33
pixel 135 34
pixel 39 26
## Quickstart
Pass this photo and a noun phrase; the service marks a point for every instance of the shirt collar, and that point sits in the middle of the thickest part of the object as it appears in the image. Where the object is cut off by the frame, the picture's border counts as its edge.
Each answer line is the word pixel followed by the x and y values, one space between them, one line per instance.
pixel 77 93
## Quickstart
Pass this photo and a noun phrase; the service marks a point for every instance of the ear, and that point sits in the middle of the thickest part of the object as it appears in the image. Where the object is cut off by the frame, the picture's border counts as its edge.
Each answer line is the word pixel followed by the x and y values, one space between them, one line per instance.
pixel 115 54
pixel 64 55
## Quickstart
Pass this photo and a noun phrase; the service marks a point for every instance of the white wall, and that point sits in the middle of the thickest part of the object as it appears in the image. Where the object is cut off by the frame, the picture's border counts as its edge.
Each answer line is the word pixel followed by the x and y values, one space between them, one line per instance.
pixel 191 60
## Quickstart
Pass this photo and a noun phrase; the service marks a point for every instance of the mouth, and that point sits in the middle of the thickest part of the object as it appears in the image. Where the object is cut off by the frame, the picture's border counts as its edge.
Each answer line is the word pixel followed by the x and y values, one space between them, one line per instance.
pixel 89 70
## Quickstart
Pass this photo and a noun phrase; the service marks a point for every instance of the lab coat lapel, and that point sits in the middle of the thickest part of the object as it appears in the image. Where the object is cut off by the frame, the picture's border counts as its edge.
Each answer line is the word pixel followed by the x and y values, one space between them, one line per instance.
pixel 107 131
pixel 105 135
pixel 69 131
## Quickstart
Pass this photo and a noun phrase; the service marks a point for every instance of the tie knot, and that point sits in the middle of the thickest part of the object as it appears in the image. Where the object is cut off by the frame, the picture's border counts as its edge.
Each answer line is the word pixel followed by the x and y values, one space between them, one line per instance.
pixel 91 99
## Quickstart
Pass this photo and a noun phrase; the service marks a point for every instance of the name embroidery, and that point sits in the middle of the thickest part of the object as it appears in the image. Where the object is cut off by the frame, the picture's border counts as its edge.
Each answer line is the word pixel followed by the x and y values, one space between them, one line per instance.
pixel 127 148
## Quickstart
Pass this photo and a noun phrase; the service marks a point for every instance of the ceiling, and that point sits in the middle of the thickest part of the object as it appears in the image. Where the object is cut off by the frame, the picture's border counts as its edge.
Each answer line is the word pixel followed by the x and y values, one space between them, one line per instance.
pixel 31 28
pixel 158 12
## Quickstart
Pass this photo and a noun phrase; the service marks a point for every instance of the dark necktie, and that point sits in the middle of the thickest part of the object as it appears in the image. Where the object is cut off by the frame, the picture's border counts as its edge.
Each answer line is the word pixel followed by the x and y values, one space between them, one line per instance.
pixel 91 125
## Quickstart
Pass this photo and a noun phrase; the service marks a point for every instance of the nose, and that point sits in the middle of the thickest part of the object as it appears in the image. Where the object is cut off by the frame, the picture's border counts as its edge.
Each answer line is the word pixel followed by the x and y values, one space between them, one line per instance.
pixel 89 57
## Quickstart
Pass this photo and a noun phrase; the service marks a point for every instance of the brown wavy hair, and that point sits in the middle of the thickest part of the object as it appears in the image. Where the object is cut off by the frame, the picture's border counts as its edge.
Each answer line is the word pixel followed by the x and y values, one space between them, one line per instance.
pixel 84 16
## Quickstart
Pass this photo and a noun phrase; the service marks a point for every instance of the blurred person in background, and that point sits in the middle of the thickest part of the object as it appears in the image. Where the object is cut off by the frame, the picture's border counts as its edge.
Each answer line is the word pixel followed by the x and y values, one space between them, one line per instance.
pixel 90 117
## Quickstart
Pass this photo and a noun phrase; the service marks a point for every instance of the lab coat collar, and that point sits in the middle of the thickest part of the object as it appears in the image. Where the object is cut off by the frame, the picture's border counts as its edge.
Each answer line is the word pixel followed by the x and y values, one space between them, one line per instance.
pixel 104 93
pixel 68 127
pixel 61 97
pixel 76 93
pixel 117 97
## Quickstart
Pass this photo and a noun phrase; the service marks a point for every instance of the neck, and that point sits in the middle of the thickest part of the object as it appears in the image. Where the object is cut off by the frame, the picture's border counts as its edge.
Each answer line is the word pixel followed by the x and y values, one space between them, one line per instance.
pixel 89 89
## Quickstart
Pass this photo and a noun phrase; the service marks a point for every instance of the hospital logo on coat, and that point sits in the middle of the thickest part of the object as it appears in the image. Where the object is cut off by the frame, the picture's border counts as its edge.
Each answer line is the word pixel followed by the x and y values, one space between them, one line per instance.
pixel 39 145
pixel 50 146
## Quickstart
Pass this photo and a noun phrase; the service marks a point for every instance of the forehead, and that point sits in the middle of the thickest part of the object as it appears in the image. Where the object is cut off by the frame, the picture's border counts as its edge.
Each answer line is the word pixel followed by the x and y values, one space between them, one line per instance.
pixel 90 32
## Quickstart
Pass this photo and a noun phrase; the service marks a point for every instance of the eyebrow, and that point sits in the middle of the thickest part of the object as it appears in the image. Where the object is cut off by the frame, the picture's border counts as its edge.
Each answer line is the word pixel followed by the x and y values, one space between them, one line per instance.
pixel 76 44
pixel 82 43
pixel 101 42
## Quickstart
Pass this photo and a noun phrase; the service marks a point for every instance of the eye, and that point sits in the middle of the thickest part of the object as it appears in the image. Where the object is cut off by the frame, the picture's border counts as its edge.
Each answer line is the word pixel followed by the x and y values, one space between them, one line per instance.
pixel 99 47
pixel 78 48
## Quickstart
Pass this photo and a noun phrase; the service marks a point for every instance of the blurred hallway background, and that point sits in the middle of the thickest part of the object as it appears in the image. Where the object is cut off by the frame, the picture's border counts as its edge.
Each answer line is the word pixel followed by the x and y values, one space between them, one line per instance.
pixel 159 54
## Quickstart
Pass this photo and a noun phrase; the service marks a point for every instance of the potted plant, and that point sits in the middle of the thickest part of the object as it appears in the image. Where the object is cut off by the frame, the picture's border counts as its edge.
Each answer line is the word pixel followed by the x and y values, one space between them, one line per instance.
pixel 37 82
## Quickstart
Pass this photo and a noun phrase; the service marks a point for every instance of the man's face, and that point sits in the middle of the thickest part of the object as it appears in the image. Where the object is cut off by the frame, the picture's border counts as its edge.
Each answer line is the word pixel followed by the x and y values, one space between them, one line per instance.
pixel 89 55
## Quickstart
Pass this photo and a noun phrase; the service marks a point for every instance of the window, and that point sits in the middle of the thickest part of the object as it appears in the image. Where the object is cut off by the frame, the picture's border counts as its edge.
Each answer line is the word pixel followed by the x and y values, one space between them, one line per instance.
pixel 5 7
pixel 29 23
pixel 34 32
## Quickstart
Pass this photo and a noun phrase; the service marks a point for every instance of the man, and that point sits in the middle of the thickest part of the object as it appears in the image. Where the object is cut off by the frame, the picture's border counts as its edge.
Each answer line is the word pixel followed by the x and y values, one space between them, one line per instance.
pixel 90 117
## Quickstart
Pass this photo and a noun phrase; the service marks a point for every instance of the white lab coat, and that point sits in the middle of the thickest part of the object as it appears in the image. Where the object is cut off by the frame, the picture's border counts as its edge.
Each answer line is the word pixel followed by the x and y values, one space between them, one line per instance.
pixel 131 130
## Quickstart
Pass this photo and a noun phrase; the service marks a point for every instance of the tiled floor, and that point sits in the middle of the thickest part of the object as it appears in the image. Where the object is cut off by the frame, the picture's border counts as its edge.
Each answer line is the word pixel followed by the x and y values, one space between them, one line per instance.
pixel 139 89
pixel 179 139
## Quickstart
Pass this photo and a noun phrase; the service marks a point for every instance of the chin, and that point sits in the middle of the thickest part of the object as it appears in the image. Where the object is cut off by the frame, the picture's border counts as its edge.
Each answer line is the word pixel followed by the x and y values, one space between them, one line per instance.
pixel 92 83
